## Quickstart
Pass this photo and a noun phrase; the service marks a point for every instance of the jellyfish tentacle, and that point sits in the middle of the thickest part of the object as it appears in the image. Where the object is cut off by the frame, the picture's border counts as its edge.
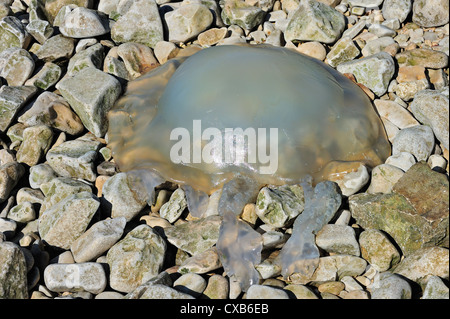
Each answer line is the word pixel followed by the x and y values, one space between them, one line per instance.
pixel 239 245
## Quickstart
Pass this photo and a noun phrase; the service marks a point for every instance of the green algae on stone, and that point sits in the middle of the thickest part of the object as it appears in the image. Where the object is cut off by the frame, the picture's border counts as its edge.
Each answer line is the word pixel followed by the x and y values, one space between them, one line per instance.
pixel 315 21
pixel 13 272
pixel 377 249
pixel 135 259
pixel 36 142
pixel 195 236
pixel 12 99
pixel 46 77
pixel 276 206
pixel 13 34
pixel 61 224
pixel 242 14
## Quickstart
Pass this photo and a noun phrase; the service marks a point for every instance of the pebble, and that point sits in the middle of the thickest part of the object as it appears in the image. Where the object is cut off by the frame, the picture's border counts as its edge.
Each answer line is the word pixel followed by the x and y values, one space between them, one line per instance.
pixel 74 158
pixel 390 286
pixel 196 236
pixel 56 47
pixel 12 99
pixel 90 277
pixel 374 71
pixel 423 57
pixel 124 201
pixel 141 23
pixel 332 287
pixel 242 14
pixel 343 50
pixel 378 250
pixel 313 49
pixel 165 50
pixel 377 45
pixel 84 23
pixel 431 108
pixel 435 289
pixel 13 34
pixel 217 288
pixel 395 113
pixel 174 207
pixel 16 66
pixel 61 224
pixel 13 272
pixel 22 212
pixel 417 140
pixel 136 258
pixel 265 292
pixel 403 160
pixel 397 9
pixel 36 142
pixel 190 283
pixel 324 24
pixel 188 21
pixel 138 59
pixel 10 174
pixel 91 93
pixel 90 57
pixel 40 174
pixel 277 206
pixel 97 239
pixel 430 13
pixel 47 76
pixel 301 291
pixel 339 239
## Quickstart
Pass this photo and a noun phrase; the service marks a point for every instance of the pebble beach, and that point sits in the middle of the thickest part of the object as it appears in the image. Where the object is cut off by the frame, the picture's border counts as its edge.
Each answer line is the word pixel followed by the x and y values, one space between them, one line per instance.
pixel 71 224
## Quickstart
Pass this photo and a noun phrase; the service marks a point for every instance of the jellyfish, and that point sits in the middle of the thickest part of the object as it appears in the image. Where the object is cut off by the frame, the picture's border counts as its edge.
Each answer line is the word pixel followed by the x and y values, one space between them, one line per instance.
pixel 235 118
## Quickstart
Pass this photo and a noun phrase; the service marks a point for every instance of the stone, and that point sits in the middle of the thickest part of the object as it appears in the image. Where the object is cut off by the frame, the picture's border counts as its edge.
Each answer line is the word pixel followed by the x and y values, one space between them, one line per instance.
pixel 138 59
pixel 10 174
pixel 201 263
pixel 377 249
pixel 13 34
pixel 188 21
pixel 315 21
pixel 381 30
pixel 52 110
pixel 22 213
pixel 165 50
pixel 190 283
pixel 437 161
pixel 427 191
pixel 12 99
pixel 217 288
pixel 58 188
pixel 417 140
pixel 90 277
pixel 430 13
pixel 7 227
pixel 26 194
pixel 55 48
pixel 13 272
pixel 135 259
pixel 47 76
pixel 343 50
pixel 91 57
pixel 353 31
pixel 158 291
pixel 97 239
pixel 375 71
pixel 390 286
pixel 211 36
pixel 365 3
pixel 240 13
pixel 141 23
pixel 395 113
pixel 51 8
pixel 195 236
pixel 339 239
pixel 39 174
pixel 352 180
pixel 61 224
pixel 424 263
pixel 276 206
pixel 84 23
pixel 396 9
pixel 75 158
pixel 423 57
pixel 123 198
pixel 174 207
pixel 407 90
pixel 393 214
pixel 335 267
pixel 301 292
pixel 435 289
pixel 109 295
pixel 36 142
pixel 333 287
pixel 431 108
pixel 438 78
pixel 16 66
pixel 410 73
pixel 313 49
pixel 265 292
pixel 377 45
pixel 40 30
pixel 403 160
pixel 91 93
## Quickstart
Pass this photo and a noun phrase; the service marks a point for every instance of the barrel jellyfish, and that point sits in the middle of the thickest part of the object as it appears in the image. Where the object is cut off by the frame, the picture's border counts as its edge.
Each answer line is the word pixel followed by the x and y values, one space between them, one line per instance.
pixel 236 118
